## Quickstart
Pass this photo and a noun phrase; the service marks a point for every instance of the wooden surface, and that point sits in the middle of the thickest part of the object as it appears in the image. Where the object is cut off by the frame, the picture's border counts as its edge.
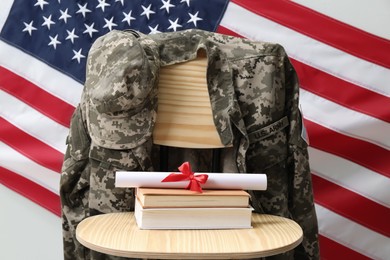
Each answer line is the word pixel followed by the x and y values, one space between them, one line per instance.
pixel 117 234
pixel 184 116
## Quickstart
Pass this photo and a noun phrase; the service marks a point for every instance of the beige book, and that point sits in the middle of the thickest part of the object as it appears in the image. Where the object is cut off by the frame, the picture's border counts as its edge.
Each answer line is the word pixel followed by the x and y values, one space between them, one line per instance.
pixel 174 198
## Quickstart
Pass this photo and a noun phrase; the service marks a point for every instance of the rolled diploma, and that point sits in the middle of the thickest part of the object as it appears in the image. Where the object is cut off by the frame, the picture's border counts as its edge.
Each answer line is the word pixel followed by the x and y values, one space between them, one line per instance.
pixel 242 181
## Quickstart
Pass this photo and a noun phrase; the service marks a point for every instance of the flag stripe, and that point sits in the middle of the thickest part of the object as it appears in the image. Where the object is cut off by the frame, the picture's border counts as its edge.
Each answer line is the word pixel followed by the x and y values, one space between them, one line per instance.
pixel 344 120
pixel 350 234
pixel 29 146
pixel 338 199
pixel 31 190
pixel 323 28
pixel 331 250
pixel 357 150
pixel 17 162
pixel 342 92
pixel 33 122
pixel 47 104
pixel 5 7
pixel 308 50
pixel 351 176
pixel 368 16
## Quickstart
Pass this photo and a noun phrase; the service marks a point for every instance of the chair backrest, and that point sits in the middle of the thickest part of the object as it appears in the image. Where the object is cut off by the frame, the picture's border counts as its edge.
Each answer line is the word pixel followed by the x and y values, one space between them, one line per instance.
pixel 184 116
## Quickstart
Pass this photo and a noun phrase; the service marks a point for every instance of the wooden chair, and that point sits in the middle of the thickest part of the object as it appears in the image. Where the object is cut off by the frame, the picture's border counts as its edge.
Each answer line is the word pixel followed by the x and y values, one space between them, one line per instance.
pixel 184 117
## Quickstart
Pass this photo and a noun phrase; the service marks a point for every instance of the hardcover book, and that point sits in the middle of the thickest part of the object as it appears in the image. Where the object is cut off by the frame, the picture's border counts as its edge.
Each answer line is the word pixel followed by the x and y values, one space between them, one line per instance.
pixel 174 198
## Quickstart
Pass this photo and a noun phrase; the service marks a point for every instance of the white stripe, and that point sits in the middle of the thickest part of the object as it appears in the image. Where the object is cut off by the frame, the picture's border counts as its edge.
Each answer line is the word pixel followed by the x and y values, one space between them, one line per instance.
pixel 41 74
pixel 344 120
pixel 23 166
pixel 369 16
pixel 351 176
pixel 308 50
pixel 5 7
pixel 32 122
pixel 352 235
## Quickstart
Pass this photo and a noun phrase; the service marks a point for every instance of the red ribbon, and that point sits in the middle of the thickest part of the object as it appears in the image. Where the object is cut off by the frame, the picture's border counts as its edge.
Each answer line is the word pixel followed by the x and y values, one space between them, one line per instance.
pixel 187 174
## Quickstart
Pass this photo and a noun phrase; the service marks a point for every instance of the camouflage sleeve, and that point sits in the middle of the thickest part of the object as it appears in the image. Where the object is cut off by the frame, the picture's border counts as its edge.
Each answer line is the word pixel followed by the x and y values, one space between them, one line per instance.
pixel 87 187
pixel 74 186
pixel 301 204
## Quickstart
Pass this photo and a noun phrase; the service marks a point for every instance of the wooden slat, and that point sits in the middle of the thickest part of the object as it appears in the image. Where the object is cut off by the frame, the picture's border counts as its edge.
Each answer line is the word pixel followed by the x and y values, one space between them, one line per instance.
pixel 184 117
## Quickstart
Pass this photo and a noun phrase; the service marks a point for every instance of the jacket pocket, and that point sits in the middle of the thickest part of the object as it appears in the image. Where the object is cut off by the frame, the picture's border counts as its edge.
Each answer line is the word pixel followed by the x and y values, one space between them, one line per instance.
pixel 267 153
pixel 104 197
pixel 268 146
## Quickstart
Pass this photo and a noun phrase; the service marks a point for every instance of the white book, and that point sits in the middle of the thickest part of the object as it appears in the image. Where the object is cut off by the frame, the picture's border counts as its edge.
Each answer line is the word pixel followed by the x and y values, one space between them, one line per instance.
pixel 192 218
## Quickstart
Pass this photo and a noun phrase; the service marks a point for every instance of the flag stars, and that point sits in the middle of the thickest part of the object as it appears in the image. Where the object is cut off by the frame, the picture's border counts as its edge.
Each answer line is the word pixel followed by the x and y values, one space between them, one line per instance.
pixel 89 29
pixel 128 18
pixel 48 22
pixel 53 41
pixel 186 1
pixel 29 28
pixel 174 24
pixel 64 15
pixel 83 9
pixel 147 12
pixel 153 30
pixel 41 3
pixel 194 18
pixel 166 5
pixel 109 23
pixel 78 56
pixel 71 35
pixel 120 1
pixel 102 4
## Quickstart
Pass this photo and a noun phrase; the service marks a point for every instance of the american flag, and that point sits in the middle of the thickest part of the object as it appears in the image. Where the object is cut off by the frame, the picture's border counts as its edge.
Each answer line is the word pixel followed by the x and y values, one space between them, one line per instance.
pixel 344 74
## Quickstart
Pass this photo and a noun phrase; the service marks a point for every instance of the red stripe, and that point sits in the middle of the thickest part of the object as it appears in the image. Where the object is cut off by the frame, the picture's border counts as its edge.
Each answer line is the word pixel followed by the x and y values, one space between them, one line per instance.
pixel 364 153
pixel 350 205
pixel 47 104
pixel 331 250
pixel 29 146
pixel 342 92
pixel 31 190
pixel 322 28
pixel 224 30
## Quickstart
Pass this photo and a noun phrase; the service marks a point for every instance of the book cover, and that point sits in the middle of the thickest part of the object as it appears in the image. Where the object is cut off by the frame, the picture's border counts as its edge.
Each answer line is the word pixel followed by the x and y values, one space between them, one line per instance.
pixel 192 218
pixel 171 198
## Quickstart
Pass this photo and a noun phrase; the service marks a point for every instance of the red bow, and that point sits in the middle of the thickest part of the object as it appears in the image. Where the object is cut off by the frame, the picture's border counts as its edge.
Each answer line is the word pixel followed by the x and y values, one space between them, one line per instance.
pixel 187 174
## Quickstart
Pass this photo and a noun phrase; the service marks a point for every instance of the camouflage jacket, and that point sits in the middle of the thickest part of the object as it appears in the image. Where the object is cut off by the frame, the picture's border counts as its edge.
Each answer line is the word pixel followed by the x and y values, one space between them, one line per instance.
pixel 254 94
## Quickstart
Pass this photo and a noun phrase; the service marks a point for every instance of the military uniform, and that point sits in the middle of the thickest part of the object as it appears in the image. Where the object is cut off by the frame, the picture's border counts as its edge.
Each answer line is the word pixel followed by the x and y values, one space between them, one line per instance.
pixel 253 91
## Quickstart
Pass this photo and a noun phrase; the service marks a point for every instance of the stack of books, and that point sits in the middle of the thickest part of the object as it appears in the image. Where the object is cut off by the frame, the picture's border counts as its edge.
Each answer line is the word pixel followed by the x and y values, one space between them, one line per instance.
pixel 157 208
